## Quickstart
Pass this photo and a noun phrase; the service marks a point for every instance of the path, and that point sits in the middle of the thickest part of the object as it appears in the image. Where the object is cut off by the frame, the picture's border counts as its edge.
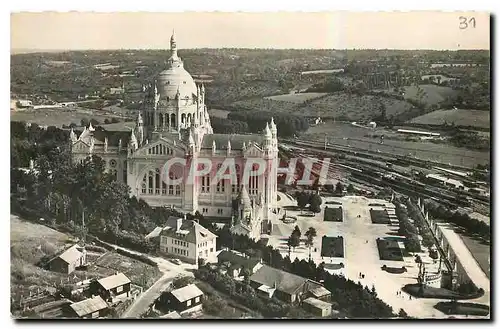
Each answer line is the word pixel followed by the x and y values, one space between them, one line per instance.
pixel 468 262
pixel 170 270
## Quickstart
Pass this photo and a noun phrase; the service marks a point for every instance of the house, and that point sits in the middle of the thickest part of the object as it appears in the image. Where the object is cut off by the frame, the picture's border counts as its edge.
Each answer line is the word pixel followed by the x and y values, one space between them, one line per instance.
pixel 91 308
pixel 69 260
pixel 112 287
pixel 285 286
pixel 317 307
pixel 237 262
pixel 188 241
pixel 183 300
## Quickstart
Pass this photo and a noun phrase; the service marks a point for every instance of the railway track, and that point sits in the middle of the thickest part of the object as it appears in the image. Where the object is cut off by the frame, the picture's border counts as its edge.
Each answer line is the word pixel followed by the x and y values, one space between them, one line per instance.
pixel 366 172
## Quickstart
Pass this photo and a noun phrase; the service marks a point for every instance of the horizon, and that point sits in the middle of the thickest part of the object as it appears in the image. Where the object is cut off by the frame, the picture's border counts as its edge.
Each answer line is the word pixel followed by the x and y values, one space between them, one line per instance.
pixel 415 30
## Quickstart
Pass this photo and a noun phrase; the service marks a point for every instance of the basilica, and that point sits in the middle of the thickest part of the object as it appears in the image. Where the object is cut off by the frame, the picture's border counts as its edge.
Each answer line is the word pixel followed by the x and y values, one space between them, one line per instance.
pixel 174 122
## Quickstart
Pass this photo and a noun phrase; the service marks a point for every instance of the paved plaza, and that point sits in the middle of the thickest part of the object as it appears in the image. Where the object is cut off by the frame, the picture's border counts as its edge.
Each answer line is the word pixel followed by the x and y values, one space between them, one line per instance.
pixel 360 250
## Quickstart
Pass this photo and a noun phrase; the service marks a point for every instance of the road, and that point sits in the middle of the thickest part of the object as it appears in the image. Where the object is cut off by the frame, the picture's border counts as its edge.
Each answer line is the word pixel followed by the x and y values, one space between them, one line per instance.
pixel 169 270
pixel 469 264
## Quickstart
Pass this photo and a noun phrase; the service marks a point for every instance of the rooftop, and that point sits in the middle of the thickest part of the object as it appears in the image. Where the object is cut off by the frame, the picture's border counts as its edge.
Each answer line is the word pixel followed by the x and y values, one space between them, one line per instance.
pixel 284 281
pixel 71 255
pixel 186 293
pixel 236 140
pixel 114 281
pixel 189 230
pixel 89 306
pixel 235 259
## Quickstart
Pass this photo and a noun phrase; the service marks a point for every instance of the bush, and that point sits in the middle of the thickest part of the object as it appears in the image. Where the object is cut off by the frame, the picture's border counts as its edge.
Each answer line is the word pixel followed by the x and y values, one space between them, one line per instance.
pixel 140 258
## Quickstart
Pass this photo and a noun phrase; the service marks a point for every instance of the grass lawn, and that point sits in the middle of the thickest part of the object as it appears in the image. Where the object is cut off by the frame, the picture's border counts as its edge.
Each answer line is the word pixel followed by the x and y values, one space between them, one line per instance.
pixel 332 246
pixel 333 214
pixel 379 216
pixel 139 273
pixel 57 117
pixel 389 250
pixel 452 308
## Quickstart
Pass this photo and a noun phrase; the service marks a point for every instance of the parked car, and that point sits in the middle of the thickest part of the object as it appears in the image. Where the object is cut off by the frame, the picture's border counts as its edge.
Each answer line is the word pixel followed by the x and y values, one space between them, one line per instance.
pixel 176 261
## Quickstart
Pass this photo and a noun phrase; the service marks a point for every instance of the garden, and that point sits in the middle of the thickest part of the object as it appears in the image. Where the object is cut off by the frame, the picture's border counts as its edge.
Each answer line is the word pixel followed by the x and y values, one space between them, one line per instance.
pixel 333 214
pixel 332 246
pixel 379 216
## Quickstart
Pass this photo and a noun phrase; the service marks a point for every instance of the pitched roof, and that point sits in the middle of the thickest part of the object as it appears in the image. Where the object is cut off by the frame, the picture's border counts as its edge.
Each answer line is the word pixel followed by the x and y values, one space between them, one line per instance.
pixel 320 292
pixel 286 282
pixel 235 139
pixel 191 231
pixel 71 255
pixel 89 306
pixel 114 281
pixel 186 293
pixel 235 259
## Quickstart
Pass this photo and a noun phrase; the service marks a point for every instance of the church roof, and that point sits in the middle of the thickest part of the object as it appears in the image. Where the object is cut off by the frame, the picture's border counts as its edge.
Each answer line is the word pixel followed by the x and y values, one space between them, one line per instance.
pixel 113 137
pixel 235 139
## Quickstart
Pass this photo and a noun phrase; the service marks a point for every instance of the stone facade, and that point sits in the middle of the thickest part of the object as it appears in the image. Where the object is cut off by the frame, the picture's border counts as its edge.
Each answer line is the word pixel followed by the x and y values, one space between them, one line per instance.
pixel 174 123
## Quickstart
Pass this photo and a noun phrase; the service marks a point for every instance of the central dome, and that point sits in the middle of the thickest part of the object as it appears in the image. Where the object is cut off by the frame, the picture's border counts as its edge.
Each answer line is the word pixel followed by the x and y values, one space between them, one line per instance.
pixel 173 79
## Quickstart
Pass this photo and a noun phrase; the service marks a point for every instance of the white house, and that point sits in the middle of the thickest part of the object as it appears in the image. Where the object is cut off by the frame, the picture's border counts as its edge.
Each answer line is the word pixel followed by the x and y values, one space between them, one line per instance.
pixel 188 241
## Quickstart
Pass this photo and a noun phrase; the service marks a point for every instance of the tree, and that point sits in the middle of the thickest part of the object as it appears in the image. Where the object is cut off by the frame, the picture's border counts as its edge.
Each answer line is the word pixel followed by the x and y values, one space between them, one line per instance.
pixel 310 234
pixel 315 203
pixel 106 121
pixel 339 188
pixel 350 189
pixel 302 199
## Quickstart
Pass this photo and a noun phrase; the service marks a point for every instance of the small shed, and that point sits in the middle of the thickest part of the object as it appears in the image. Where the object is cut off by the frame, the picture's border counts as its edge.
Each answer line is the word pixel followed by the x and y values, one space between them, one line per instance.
pixel 111 286
pixel 91 308
pixel 185 299
pixel 69 260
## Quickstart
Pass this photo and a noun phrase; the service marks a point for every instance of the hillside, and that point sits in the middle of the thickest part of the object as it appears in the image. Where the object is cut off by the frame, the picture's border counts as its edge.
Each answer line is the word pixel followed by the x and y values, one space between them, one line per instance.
pixel 475 118
pixel 341 106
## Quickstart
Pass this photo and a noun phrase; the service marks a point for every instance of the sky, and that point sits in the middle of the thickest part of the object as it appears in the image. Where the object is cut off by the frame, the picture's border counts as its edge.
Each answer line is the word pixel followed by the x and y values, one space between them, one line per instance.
pixel 324 30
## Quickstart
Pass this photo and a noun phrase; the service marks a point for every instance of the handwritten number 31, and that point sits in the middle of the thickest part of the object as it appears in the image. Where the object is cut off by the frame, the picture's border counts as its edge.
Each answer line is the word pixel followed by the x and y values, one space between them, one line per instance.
pixel 467 22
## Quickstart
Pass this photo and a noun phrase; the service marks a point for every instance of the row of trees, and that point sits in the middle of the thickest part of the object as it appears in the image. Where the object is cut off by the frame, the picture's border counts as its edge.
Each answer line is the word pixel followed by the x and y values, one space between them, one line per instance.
pixel 423 229
pixel 471 225
pixel 288 124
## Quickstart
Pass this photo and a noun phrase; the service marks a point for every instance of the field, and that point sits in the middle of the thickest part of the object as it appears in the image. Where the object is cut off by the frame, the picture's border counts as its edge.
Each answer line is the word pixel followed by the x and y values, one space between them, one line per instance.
pixel 337 105
pixel 474 118
pixel 433 94
pixel 30 242
pixel 138 272
pixel 218 113
pixel 351 136
pixel 57 117
pixel 297 98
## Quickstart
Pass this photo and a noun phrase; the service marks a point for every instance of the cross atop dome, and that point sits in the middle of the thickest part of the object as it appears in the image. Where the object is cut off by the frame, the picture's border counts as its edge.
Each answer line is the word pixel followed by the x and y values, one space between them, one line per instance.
pixel 173 47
